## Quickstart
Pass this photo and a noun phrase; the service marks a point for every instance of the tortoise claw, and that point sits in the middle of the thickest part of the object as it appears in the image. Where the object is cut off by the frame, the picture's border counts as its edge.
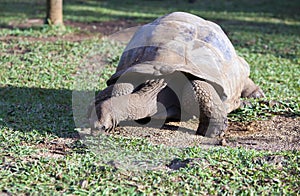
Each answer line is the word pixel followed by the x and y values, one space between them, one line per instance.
pixel 212 128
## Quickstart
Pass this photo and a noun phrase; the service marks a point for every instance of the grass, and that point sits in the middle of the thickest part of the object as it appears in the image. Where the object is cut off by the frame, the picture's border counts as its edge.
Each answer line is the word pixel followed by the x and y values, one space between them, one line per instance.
pixel 39 77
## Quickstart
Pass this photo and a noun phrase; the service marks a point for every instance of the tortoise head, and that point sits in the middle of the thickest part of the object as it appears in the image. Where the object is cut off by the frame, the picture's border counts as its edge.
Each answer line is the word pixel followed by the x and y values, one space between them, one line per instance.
pixel 103 118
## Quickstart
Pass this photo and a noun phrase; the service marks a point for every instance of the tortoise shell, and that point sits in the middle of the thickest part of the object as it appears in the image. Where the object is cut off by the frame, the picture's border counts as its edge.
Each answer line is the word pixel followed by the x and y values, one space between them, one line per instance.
pixel 182 42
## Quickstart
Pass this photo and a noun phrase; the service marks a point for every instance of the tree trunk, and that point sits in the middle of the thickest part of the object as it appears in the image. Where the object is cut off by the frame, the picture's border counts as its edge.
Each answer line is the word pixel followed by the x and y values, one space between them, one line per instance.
pixel 54 12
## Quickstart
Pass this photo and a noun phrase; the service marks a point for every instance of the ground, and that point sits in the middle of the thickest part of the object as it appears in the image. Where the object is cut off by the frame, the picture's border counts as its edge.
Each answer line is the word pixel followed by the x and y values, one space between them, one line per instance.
pixel 43 152
pixel 279 132
pixel 276 134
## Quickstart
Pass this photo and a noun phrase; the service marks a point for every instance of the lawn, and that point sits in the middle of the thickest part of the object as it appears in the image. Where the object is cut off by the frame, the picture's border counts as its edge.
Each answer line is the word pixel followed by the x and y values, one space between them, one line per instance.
pixel 48 75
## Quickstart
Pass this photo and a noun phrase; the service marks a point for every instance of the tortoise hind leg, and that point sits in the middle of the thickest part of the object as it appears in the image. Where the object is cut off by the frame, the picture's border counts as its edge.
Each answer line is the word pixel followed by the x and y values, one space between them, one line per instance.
pixel 212 113
pixel 251 90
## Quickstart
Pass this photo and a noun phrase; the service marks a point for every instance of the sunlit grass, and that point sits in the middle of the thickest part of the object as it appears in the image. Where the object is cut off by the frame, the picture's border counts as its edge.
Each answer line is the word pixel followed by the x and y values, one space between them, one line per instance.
pixel 39 153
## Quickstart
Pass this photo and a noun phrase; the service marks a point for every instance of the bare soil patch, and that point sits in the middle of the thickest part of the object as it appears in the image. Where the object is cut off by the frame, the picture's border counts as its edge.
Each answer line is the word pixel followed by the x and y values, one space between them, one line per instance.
pixel 85 30
pixel 276 134
pixel 104 28
pixel 56 148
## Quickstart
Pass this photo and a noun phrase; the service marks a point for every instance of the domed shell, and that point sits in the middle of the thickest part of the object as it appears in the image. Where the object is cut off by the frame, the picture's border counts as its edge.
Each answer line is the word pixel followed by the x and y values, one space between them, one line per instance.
pixel 184 42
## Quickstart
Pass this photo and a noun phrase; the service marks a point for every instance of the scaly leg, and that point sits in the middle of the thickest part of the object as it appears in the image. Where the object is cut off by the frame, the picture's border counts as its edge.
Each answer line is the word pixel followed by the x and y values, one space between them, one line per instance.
pixel 213 116
pixel 251 90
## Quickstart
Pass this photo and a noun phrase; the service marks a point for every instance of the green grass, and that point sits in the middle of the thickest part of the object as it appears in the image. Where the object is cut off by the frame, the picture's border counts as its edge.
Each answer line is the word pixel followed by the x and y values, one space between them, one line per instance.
pixel 38 79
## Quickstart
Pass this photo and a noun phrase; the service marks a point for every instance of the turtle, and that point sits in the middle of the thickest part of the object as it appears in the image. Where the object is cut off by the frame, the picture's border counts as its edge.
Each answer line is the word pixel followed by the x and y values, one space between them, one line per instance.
pixel 177 67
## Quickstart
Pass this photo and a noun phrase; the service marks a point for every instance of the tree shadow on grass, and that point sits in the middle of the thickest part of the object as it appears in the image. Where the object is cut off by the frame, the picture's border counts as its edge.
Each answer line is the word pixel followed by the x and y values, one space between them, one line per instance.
pixel 116 8
pixel 43 110
pixel 92 13
pixel 145 10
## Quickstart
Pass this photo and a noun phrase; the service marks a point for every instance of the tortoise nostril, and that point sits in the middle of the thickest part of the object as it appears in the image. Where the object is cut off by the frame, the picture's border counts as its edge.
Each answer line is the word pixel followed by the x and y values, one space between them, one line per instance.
pixel 103 128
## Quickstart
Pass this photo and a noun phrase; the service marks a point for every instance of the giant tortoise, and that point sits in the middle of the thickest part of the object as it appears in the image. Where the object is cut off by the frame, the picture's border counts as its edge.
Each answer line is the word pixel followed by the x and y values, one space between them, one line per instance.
pixel 174 68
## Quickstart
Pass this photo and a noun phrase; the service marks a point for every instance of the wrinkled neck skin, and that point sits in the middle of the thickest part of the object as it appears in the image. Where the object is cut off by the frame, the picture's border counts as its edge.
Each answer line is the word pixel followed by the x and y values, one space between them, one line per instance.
pixel 130 107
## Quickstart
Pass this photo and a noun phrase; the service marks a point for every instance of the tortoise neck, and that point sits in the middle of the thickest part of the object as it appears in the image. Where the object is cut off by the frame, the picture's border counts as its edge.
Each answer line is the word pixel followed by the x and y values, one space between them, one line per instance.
pixel 131 107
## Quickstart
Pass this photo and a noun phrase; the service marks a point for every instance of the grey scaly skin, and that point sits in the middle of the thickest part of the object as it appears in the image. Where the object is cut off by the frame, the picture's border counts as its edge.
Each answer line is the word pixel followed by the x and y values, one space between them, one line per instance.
pixel 115 90
pixel 251 90
pixel 134 106
pixel 212 114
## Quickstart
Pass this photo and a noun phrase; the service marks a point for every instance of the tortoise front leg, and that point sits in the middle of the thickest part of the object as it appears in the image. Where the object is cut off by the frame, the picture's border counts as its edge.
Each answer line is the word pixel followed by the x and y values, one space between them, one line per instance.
pixel 212 113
